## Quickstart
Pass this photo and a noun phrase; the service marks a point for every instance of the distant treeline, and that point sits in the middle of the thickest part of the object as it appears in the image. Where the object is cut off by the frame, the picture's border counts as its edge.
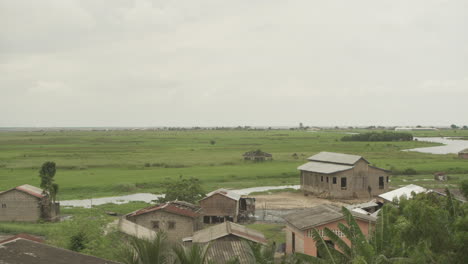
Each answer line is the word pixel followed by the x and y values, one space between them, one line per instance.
pixel 376 136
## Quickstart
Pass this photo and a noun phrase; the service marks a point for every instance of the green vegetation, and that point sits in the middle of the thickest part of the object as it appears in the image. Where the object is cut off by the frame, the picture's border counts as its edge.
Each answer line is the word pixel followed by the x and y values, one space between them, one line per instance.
pixel 107 163
pixel 188 190
pixel 379 136
pixel 47 173
pixel 272 232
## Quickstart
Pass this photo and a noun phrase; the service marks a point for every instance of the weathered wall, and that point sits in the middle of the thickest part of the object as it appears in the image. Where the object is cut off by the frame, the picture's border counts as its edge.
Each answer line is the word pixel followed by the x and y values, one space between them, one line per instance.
pixel 299 239
pixel 463 155
pixel 358 180
pixel 219 205
pixel 184 225
pixel 135 230
pixel 19 206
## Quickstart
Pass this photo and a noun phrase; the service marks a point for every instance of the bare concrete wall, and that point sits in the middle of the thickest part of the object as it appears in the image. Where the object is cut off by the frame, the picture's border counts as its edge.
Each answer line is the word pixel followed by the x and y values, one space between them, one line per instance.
pixel 184 226
pixel 135 230
pixel 19 206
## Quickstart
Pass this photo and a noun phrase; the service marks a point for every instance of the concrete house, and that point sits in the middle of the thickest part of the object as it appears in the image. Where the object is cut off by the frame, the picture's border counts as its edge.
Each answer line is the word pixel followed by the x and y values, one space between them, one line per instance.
pixel 463 154
pixel 257 155
pixel 177 219
pixel 22 250
pixel 339 175
pixel 299 226
pixel 27 203
pixel 224 205
pixel 227 241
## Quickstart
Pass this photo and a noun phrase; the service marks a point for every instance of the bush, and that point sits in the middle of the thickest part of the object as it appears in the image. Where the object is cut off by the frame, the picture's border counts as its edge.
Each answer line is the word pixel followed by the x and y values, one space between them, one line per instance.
pixel 409 171
pixel 375 136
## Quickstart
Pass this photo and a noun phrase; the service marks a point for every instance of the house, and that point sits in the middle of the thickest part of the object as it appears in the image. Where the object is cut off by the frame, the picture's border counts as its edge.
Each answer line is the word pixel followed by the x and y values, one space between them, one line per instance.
pixel 177 219
pixel 21 250
pixel 257 155
pixel 225 205
pixel 299 226
pixel 463 154
pixel 338 175
pixel 405 191
pixel 27 203
pixel 440 176
pixel 227 241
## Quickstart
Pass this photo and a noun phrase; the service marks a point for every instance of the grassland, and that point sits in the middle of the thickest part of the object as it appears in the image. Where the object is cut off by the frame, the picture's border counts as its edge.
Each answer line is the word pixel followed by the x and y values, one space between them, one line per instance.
pixel 105 163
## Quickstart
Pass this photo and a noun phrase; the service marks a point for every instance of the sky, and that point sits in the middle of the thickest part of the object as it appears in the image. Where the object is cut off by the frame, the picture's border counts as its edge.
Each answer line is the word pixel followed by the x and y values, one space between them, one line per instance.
pixel 228 63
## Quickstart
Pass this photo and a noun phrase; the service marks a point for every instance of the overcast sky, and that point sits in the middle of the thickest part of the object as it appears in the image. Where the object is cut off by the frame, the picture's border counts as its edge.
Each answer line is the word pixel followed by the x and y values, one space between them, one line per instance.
pixel 242 62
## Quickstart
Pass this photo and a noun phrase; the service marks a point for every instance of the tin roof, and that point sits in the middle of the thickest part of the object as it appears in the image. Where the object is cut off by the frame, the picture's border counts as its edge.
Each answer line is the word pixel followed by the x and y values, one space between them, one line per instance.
pixel 320 215
pixel 403 191
pixel 26 251
pixel 175 207
pixel 28 189
pixel 225 251
pixel 339 158
pixel 228 193
pixel 322 167
pixel 227 228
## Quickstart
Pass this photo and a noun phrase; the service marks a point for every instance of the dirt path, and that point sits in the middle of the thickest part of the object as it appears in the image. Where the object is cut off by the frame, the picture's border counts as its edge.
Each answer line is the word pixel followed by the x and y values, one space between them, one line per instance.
pixel 295 200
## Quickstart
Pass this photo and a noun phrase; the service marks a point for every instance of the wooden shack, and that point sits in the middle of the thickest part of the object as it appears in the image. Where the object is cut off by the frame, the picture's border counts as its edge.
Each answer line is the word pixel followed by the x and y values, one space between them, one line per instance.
pixel 257 155
pixel 463 154
pixel 225 205
pixel 337 175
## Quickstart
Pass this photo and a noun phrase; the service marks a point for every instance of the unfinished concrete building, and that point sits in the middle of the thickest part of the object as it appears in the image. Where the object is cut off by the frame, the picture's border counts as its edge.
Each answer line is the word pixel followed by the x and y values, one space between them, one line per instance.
pixel 225 205
pixel 337 175
pixel 27 203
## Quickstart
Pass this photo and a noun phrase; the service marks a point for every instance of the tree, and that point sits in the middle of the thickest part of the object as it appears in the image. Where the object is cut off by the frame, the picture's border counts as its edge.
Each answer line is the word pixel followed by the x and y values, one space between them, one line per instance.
pixel 47 174
pixel 142 251
pixel 453 126
pixel 183 189
pixel 195 254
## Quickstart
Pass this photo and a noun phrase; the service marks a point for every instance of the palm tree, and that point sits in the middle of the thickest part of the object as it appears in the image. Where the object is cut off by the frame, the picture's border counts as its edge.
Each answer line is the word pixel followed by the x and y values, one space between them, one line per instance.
pixel 261 254
pixel 195 254
pixel 142 251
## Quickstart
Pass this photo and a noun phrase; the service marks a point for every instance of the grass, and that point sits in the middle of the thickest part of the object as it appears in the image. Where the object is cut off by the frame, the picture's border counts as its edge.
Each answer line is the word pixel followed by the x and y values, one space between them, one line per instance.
pixel 107 163
pixel 272 232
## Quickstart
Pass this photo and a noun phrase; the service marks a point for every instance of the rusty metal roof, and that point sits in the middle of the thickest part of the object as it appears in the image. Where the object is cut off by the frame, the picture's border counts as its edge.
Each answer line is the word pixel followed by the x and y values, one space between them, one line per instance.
pixel 228 193
pixel 175 207
pixel 227 228
pixel 320 215
pixel 28 189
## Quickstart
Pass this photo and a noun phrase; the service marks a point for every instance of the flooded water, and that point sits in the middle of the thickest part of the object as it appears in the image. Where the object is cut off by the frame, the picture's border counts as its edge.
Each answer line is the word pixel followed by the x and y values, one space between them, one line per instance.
pixel 149 197
pixel 451 145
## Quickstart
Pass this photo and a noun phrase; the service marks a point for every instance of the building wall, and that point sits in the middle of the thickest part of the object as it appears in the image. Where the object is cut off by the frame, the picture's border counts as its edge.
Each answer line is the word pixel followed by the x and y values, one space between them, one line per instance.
pixel 357 181
pixel 219 205
pixel 307 243
pixel 19 206
pixel 463 155
pixel 184 226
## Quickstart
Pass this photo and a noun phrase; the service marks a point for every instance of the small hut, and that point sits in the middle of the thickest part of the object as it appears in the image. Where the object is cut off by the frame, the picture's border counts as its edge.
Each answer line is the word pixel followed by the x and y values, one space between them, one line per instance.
pixel 257 155
pixel 463 154
pixel 440 176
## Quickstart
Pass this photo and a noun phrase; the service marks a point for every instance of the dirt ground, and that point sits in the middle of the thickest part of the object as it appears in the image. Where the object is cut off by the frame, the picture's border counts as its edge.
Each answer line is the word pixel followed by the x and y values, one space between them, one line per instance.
pixel 295 200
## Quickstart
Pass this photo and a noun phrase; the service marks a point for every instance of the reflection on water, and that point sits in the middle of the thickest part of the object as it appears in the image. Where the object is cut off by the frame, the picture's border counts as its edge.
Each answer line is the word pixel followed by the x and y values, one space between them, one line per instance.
pixel 451 145
pixel 149 197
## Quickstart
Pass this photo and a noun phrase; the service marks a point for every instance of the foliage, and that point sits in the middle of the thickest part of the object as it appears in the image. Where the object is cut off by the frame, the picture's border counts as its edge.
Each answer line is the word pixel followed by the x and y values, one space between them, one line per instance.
pixel 464 188
pixel 195 254
pixel 376 136
pixel 47 174
pixel 183 189
pixel 142 251
pixel 78 241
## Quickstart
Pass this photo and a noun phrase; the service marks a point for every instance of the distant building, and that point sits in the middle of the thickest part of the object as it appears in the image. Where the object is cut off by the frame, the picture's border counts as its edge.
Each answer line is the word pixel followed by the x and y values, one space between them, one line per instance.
pixel 224 205
pixel 299 226
pixel 339 175
pixel 257 155
pixel 177 219
pixel 406 191
pixel 21 249
pixel 416 129
pixel 463 154
pixel 226 242
pixel 27 203
pixel 440 176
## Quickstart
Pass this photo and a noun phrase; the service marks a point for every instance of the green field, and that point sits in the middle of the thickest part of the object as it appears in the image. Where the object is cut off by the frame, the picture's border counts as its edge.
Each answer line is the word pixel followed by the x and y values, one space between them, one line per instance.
pixel 106 163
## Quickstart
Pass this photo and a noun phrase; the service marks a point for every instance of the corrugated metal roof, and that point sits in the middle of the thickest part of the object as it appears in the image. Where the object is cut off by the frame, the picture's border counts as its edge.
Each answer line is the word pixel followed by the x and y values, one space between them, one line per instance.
pixel 403 191
pixel 227 228
pixel 333 157
pixel 176 207
pixel 319 215
pixel 322 167
pixel 228 193
pixel 362 205
pixel 224 251
pixel 29 189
